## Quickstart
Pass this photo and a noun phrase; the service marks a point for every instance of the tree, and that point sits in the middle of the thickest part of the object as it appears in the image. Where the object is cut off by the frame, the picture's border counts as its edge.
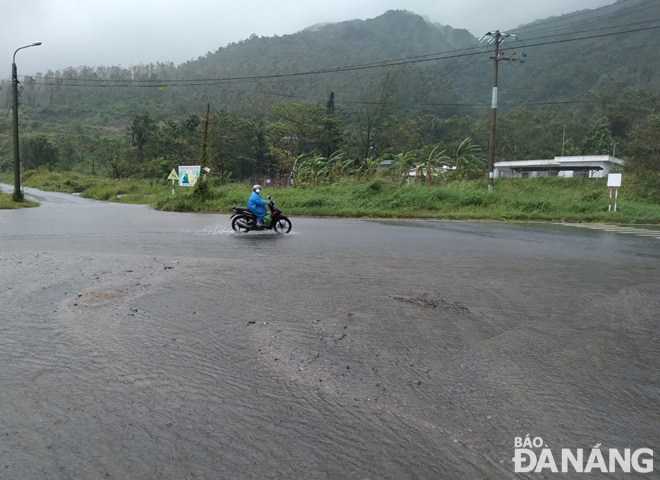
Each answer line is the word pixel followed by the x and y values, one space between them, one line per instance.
pixel 599 140
pixel 375 116
pixel 230 146
pixel 305 122
pixel 140 131
pixel 644 147
pixel 191 123
pixel 39 151
pixel 260 145
pixel 330 140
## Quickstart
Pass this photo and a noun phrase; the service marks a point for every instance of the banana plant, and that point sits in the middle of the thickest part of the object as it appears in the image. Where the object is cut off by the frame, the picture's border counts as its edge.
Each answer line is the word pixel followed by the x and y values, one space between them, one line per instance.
pixel 467 159
pixel 404 161
pixel 434 159
pixel 311 169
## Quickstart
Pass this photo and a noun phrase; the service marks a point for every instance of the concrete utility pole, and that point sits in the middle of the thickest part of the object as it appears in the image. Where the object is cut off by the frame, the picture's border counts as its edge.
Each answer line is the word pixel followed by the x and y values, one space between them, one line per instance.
pixel 496 38
pixel 493 115
pixel 205 154
pixel 18 195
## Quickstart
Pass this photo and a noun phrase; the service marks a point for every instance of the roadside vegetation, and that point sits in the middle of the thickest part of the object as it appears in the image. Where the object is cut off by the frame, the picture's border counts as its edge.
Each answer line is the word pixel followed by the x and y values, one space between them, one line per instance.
pixel 534 199
pixel 7 202
pixel 350 139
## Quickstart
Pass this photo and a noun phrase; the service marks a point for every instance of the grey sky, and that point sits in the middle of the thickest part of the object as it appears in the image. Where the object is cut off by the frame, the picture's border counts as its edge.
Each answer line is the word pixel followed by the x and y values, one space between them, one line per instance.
pixel 130 32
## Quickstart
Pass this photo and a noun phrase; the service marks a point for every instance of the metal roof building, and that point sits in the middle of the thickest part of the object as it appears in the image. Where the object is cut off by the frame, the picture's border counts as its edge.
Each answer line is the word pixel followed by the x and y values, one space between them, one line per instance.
pixel 591 166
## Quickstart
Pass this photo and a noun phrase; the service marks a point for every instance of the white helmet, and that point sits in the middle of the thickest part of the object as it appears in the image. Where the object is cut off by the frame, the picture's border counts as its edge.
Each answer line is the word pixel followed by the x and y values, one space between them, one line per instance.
pixel 257 188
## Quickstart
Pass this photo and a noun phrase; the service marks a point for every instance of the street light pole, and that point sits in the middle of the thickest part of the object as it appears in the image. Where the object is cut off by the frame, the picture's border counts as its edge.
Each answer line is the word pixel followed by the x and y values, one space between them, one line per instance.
pixel 18 195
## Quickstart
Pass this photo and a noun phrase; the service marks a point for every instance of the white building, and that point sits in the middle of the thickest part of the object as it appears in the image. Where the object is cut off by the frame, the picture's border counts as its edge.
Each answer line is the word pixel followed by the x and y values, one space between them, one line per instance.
pixel 592 166
pixel 414 172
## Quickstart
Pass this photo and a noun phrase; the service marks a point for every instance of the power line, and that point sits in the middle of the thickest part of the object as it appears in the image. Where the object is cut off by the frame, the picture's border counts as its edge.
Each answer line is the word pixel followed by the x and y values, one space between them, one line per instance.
pixel 390 62
pixel 339 100
pixel 591 36
pixel 596 29
pixel 4 122
pixel 377 64
pixel 137 83
pixel 394 63
pixel 623 10
pixel 381 63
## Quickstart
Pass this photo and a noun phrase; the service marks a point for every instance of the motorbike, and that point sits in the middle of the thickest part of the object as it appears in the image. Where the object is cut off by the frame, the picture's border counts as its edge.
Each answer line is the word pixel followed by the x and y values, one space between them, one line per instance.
pixel 243 220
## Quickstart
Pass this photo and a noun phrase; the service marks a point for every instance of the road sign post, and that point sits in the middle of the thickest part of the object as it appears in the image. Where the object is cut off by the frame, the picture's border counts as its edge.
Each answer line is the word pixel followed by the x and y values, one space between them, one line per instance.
pixel 613 181
pixel 174 177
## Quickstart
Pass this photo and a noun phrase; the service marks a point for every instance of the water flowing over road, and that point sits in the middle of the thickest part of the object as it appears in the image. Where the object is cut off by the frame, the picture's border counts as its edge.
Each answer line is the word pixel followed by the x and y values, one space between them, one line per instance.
pixel 145 344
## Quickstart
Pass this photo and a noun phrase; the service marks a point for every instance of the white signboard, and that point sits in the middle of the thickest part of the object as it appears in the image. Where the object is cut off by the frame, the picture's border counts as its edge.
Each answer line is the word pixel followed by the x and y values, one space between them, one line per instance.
pixel 188 175
pixel 614 180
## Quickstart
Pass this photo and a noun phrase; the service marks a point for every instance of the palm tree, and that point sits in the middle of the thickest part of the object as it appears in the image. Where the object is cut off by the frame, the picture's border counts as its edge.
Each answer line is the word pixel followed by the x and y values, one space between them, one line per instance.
pixel 139 131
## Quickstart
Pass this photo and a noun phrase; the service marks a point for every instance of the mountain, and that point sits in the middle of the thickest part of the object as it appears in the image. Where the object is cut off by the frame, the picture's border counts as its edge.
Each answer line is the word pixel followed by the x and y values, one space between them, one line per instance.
pixel 431 68
pixel 580 83
pixel 607 49
pixel 340 46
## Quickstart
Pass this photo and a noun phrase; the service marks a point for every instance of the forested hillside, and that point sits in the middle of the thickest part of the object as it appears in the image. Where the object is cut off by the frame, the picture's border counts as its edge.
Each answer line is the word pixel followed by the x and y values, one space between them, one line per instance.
pixel 369 89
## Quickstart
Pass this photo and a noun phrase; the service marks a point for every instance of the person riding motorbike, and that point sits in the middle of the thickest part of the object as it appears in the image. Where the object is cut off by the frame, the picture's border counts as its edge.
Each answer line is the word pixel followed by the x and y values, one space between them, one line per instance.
pixel 257 205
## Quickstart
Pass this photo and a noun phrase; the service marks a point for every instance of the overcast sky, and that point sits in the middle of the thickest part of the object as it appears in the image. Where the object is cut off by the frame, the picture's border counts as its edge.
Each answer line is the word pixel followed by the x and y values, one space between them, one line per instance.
pixel 130 32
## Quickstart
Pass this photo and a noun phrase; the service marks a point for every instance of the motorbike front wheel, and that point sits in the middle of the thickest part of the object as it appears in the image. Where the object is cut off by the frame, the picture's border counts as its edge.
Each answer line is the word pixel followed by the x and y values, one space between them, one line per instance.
pixel 240 224
pixel 282 225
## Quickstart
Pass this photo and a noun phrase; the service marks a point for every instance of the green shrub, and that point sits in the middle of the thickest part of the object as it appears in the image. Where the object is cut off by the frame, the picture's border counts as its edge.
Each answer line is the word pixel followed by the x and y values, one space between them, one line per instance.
pixel 472 199
pixel 313 202
pixel 534 206
pixel 521 199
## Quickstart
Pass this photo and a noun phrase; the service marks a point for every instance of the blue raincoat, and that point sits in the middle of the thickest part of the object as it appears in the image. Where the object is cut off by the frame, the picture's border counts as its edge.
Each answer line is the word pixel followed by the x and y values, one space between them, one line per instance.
pixel 257 205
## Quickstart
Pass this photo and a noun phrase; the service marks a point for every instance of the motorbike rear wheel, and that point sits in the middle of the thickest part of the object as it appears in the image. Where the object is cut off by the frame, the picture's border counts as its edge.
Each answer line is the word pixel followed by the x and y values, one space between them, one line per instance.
pixel 240 224
pixel 282 225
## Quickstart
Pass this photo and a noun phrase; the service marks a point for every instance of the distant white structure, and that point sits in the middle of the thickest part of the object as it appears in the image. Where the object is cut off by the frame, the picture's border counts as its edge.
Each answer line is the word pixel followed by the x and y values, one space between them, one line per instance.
pixel 414 171
pixel 435 171
pixel 592 166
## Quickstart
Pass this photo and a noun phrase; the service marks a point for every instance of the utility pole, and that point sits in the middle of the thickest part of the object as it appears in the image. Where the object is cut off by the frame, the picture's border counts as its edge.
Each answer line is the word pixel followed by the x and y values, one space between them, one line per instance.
pixel 205 154
pixel 496 38
pixel 201 187
pixel 493 115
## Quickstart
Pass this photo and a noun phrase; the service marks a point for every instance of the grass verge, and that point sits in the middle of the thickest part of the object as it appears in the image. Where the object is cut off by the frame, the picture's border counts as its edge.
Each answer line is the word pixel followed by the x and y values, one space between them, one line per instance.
pixel 535 199
pixel 7 202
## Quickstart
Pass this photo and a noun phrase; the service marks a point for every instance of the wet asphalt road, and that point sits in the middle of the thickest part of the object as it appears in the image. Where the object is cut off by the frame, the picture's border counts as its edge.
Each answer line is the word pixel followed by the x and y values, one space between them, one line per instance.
pixel 144 344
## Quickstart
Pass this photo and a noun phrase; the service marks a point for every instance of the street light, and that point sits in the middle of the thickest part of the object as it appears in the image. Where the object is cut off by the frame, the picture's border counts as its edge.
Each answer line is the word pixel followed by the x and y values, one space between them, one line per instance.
pixel 18 195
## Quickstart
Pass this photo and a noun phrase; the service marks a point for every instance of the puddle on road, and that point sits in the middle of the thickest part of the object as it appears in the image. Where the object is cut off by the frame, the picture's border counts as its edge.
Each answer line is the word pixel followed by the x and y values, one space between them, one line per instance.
pixel 640 231
pixel 225 230
pixel 212 230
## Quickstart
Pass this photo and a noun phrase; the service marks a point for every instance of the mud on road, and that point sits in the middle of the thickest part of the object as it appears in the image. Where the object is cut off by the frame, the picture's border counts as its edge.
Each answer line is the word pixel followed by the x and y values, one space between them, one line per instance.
pixel 384 359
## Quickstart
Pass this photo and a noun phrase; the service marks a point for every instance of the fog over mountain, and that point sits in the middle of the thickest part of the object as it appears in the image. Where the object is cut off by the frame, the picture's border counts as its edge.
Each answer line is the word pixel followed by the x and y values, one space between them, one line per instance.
pixel 124 32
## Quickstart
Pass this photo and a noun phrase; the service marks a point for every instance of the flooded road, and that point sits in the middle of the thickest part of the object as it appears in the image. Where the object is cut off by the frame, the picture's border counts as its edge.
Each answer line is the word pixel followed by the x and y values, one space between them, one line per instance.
pixel 144 344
